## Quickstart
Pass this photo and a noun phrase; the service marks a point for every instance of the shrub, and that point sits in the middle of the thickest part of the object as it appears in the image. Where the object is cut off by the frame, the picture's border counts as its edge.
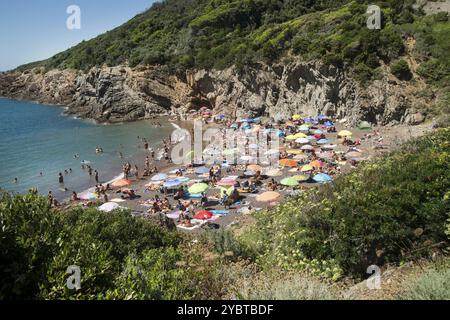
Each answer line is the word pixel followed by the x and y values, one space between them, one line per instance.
pixel 400 69
pixel 433 285
pixel 366 217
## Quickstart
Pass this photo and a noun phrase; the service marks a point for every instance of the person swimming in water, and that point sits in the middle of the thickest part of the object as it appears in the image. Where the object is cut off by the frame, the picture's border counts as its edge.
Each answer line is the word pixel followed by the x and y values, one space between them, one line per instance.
pixel 16 180
pixel 61 178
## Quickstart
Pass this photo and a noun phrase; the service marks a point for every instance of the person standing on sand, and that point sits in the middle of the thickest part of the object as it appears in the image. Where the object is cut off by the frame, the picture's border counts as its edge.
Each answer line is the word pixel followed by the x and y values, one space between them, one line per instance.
pixel 50 197
pixel 136 172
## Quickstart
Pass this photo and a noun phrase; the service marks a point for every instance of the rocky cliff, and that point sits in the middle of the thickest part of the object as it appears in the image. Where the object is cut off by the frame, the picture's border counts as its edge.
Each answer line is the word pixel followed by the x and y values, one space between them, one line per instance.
pixel 124 94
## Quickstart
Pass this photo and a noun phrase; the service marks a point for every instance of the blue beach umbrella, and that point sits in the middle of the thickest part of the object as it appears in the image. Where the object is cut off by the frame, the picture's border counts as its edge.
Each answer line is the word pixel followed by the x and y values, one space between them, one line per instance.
pixel 322 178
pixel 172 183
pixel 160 177
pixel 323 141
pixel 201 170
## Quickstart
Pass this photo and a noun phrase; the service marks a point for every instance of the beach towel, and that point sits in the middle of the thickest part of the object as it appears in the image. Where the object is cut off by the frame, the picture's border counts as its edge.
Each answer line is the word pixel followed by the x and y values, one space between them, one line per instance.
pixel 220 212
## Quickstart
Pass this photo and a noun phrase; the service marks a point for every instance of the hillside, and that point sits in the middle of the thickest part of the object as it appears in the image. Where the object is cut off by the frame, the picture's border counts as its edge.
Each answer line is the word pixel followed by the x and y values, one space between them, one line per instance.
pixel 397 74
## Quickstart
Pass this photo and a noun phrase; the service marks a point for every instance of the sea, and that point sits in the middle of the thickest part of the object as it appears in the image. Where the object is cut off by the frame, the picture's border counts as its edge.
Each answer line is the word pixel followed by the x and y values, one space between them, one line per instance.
pixel 38 141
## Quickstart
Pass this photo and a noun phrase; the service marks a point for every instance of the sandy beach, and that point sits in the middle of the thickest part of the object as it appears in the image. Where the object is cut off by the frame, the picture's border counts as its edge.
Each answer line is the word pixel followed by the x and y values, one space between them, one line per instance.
pixel 388 137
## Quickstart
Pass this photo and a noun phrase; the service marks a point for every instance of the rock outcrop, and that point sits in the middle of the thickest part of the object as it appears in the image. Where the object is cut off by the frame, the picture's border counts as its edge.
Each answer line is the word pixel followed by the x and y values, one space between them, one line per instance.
pixel 112 94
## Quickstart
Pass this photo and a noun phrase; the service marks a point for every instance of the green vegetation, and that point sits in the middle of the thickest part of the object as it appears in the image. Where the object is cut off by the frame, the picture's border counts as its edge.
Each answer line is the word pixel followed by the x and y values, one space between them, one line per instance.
pixel 120 256
pixel 387 211
pixel 432 285
pixel 220 33
pixel 400 69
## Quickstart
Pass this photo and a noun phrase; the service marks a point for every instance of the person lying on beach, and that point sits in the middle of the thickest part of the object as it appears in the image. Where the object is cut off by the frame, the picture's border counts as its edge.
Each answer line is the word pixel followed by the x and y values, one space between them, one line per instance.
pixel 272 185
pixel 129 194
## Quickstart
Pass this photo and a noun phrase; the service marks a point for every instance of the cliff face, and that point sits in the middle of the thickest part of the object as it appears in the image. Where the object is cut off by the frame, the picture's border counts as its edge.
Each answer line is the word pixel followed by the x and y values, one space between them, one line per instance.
pixel 125 94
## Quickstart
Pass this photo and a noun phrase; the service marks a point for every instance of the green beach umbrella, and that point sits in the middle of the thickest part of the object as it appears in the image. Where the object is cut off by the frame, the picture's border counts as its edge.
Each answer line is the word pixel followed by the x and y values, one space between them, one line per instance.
pixel 364 125
pixel 198 188
pixel 290 182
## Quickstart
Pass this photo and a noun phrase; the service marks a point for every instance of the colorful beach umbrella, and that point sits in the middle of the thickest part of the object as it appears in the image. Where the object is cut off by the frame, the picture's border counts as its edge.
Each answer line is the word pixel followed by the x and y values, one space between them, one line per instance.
pixel 201 170
pixel 307 147
pixel 302 141
pixel 172 183
pixel 317 164
pixel 307 168
pixel 301 178
pixel 322 178
pixel 294 151
pixel 288 163
pixel 269 196
pixel 254 167
pixel 160 177
pixel 345 133
pixel 198 188
pixel 290 182
pixel 108 207
pixel 296 117
pixel 274 173
pixel 90 196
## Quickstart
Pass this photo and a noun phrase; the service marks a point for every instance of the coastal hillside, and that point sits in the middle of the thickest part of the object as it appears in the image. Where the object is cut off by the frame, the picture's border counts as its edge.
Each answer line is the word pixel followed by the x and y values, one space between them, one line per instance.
pixel 254 57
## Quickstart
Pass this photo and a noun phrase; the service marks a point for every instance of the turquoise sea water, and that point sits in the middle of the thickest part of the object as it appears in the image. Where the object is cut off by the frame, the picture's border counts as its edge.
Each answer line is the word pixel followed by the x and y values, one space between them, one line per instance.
pixel 37 138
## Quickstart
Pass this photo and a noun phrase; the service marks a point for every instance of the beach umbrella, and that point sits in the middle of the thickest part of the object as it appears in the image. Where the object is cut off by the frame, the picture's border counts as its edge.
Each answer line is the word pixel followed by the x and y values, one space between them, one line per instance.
pixel 322 178
pixel 322 141
pixel 90 196
pixel 353 154
pixel 319 132
pixel 254 167
pixel 307 168
pixel 304 128
pixel 345 133
pixel 291 137
pixel 160 177
pixel 294 151
pixel 172 183
pixel 203 215
pixel 329 146
pixel 301 157
pixel 288 163
pixel 226 183
pixel 121 183
pixel 296 117
pixel 317 164
pixel 108 207
pixel 301 178
pixel 268 196
pixel 307 147
pixel 274 173
pixel 290 182
pixel 227 191
pixel 364 125
pixel 299 135
pixel 310 138
pixel 201 170
pixel 198 188
pixel 249 173
pixel 325 155
pixel 302 141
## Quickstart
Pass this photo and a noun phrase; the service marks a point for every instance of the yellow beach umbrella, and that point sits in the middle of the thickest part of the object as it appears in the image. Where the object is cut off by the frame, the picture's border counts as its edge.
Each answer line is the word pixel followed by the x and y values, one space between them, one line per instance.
pixel 296 117
pixel 301 178
pixel 291 137
pixel 345 133
pixel 307 168
pixel 294 151
pixel 300 135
